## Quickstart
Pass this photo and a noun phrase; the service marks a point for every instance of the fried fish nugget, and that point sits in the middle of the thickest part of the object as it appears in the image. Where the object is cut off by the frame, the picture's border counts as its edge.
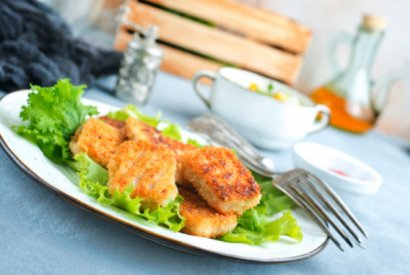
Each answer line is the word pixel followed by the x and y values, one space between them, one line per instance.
pixel 201 220
pixel 138 130
pixel 113 122
pixel 179 149
pixel 97 139
pixel 148 169
pixel 221 179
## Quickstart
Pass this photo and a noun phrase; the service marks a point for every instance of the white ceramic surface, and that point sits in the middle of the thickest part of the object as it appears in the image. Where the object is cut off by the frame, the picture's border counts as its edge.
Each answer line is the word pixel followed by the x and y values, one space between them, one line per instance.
pixel 264 121
pixel 361 179
pixel 62 180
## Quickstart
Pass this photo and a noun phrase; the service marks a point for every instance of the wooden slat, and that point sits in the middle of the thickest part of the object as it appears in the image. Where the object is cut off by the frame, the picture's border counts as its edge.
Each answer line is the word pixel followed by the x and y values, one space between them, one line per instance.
pixel 122 38
pixel 217 43
pixel 258 24
pixel 185 64
pixel 112 4
pixel 176 62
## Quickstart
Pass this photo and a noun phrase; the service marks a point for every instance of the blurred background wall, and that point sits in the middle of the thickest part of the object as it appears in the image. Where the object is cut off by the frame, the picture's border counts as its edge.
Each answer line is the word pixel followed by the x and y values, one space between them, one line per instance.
pixel 326 18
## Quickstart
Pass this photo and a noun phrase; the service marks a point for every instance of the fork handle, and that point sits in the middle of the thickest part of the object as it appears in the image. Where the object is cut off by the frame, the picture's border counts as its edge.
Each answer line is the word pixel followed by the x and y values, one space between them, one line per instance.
pixel 238 141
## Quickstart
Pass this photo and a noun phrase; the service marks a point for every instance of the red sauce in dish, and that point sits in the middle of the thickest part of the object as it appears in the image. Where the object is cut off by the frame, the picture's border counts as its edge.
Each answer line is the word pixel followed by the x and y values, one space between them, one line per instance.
pixel 339 172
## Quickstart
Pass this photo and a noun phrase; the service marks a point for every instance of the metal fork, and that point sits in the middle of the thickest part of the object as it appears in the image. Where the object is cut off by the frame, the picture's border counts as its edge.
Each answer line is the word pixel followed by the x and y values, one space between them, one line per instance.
pixel 308 191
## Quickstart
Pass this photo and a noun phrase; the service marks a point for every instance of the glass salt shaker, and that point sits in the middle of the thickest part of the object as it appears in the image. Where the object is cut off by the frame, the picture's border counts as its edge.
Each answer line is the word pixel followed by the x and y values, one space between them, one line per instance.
pixel 139 67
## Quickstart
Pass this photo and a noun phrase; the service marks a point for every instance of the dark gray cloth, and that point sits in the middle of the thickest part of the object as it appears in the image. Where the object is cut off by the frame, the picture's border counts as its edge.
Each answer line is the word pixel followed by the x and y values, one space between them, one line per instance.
pixel 37 46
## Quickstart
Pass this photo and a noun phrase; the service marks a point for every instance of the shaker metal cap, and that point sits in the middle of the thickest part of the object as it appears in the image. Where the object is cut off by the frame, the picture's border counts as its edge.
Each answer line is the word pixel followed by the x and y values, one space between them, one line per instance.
pixel 374 22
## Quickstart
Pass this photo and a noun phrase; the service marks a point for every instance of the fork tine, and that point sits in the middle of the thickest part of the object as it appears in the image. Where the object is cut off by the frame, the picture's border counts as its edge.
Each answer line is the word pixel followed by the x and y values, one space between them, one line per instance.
pixel 251 165
pixel 250 162
pixel 216 128
pixel 309 183
pixel 220 135
pixel 234 136
pixel 302 192
pixel 339 202
pixel 298 199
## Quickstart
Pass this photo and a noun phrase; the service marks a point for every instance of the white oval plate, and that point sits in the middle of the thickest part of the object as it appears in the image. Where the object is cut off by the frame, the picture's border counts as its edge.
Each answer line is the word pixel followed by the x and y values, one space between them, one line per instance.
pixel 62 181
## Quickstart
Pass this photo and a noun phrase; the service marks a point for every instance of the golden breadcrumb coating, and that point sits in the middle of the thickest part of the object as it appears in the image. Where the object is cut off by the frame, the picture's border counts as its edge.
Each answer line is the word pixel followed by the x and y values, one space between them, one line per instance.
pixel 138 130
pixel 179 149
pixel 201 220
pixel 97 139
pixel 221 179
pixel 147 168
pixel 113 122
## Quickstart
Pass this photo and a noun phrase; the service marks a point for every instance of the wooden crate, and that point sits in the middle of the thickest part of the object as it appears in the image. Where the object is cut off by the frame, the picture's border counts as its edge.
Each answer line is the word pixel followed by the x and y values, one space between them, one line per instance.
pixel 208 34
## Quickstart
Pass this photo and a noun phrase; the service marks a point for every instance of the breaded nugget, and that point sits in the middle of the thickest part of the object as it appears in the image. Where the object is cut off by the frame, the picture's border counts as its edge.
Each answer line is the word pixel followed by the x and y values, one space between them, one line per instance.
pixel 179 149
pixel 201 220
pixel 97 139
pixel 113 122
pixel 221 179
pixel 138 130
pixel 147 168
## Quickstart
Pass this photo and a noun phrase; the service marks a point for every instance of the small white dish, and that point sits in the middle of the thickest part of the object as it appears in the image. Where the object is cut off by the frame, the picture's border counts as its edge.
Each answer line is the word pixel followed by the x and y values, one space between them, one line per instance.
pixel 264 121
pixel 349 176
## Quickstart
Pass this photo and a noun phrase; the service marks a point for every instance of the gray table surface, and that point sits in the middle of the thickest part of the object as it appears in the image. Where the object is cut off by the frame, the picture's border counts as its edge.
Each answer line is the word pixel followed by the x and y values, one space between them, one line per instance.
pixel 42 234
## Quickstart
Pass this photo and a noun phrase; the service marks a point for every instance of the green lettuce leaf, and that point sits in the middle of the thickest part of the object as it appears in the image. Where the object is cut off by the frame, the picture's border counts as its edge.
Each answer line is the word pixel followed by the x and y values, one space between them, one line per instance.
pixel 263 230
pixel 194 142
pixel 171 130
pixel 53 114
pixel 273 200
pixel 93 182
pixel 89 170
pixel 132 111
pixel 256 226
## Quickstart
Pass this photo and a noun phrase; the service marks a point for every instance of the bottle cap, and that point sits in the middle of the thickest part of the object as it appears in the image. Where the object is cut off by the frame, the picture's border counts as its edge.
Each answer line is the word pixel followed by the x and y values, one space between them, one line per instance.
pixel 373 22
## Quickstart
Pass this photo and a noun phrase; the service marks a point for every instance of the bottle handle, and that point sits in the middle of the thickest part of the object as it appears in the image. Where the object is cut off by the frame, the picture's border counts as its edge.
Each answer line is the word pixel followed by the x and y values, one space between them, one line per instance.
pixel 195 82
pixel 383 85
pixel 324 119
pixel 343 38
